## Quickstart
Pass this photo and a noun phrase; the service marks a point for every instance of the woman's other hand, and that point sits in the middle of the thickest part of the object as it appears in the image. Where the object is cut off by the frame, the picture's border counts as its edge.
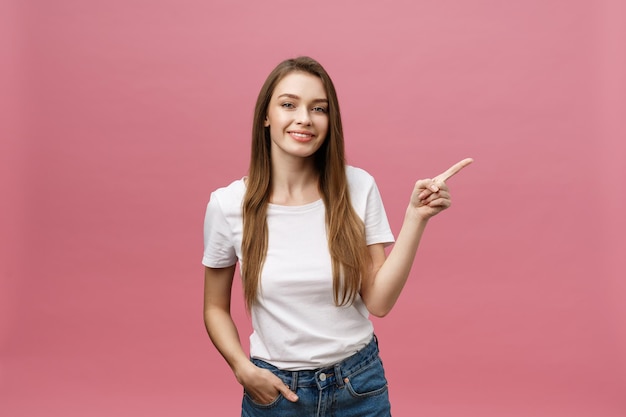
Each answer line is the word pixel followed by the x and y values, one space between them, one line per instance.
pixel 263 386
pixel 431 196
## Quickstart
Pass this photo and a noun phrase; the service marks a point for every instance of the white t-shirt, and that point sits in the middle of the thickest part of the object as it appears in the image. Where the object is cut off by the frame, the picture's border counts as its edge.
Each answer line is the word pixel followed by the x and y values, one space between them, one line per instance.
pixel 296 322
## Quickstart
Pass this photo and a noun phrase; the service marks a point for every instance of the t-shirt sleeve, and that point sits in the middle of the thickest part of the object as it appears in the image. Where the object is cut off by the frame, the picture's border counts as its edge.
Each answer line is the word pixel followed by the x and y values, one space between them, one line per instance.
pixel 377 228
pixel 219 251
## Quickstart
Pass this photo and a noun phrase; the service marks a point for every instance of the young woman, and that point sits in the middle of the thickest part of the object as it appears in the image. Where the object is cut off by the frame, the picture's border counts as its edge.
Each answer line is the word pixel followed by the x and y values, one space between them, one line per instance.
pixel 309 233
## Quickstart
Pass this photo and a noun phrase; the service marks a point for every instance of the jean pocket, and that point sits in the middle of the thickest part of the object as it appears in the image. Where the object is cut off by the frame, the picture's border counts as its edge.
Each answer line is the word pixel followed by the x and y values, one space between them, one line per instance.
pixel 248 398
pixel 367 381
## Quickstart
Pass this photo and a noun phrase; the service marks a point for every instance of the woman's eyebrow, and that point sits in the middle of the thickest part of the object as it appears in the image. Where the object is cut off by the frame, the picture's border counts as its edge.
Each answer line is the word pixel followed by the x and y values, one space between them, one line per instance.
pixel 295 97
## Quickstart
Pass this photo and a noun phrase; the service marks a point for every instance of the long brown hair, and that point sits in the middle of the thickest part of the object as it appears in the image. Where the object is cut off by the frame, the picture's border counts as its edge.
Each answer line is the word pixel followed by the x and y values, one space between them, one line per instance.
pixel 345 230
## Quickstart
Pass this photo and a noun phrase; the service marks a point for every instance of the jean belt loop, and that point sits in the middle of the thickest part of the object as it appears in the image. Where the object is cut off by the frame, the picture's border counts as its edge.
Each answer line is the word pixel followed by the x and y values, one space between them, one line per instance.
pixel 294 380
pixel 338 376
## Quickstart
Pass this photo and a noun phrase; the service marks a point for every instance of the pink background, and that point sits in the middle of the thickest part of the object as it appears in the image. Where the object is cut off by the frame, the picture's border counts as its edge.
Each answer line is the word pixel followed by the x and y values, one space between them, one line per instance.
pixel 118 119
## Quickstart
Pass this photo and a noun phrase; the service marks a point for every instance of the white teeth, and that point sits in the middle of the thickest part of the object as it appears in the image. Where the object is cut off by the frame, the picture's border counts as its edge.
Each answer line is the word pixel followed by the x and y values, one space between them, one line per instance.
pixel 301 135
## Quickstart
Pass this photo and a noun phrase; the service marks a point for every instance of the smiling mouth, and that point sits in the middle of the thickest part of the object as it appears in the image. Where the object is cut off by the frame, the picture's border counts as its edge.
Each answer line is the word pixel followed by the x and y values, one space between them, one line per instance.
pixel 301 135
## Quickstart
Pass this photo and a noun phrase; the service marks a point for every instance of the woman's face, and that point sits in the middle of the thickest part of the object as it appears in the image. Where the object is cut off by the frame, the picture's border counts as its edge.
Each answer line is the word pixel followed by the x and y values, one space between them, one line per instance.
pixel 297 116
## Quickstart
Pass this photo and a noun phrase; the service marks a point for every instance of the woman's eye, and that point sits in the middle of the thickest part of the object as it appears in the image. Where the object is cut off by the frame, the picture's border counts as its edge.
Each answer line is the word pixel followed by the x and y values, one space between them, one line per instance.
pixel 288 105
pixel 319 109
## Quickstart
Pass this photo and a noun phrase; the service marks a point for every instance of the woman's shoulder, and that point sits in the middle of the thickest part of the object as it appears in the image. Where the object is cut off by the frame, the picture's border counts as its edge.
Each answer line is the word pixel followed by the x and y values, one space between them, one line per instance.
pixel 358 177
pixel 231 195
pixel 360 183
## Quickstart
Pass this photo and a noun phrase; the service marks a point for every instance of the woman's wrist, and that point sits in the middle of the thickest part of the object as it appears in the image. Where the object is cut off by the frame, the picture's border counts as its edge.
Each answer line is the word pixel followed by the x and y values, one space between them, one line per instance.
pixel 416 215
pixel 243 369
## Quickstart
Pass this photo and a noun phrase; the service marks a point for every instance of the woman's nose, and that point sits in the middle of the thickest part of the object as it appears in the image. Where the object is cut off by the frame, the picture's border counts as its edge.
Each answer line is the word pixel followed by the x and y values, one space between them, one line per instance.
pixel 303 117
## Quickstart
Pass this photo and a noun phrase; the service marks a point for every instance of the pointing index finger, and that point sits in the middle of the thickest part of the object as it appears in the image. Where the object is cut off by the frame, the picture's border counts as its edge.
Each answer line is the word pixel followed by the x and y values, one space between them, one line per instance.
pixel 453 170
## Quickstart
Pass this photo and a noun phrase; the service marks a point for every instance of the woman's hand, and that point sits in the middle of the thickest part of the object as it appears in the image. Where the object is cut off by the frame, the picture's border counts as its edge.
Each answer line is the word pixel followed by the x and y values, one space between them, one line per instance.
pixel 431 196
pixel 263 386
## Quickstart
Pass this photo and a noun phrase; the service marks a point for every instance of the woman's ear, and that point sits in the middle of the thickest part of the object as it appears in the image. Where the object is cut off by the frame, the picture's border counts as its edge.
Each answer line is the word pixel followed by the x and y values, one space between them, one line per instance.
pixel 267 122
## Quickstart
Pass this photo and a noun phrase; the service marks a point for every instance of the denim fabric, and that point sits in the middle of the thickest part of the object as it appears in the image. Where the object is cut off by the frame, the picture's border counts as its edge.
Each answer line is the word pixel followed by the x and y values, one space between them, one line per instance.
pixel 354 387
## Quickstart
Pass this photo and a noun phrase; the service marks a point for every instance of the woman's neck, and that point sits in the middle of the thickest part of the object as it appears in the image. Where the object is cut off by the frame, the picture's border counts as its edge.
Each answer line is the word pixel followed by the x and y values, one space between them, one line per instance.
pixel 294 184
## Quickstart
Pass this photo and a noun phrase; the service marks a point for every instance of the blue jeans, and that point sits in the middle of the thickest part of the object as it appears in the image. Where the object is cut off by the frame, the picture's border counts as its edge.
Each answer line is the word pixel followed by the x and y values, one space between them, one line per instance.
pixel 354 387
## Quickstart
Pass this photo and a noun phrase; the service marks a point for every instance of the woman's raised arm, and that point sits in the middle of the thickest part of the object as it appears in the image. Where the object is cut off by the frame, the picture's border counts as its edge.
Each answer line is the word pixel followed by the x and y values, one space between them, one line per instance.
pixel 382 287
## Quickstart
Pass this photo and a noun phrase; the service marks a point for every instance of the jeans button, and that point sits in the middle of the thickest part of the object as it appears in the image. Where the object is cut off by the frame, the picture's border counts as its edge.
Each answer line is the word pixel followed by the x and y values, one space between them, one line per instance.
pixel 322 377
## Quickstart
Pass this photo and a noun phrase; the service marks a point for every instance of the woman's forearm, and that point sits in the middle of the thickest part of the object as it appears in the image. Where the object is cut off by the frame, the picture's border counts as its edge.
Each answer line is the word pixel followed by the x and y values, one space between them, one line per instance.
pixel 224 335
pixel 389 280
pixel 218 320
